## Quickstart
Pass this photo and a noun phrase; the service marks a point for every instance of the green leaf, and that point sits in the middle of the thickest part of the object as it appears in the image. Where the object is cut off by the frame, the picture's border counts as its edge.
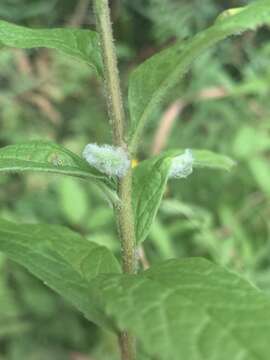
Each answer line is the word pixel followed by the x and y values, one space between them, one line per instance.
pixel 203 159
pixel 44 156
pixel 153 80
pixel 211 160
pixel 150 180
pixel 80 44
pixel 12 320
pixel 73 200
pixel 190 309
pixel 259 167
pixel 62 259
pixel 228 13
pixel 149 184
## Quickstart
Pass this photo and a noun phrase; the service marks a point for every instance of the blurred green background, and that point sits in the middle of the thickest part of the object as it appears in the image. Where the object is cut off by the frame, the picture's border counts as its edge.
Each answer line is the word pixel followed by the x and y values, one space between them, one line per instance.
pixel 222 105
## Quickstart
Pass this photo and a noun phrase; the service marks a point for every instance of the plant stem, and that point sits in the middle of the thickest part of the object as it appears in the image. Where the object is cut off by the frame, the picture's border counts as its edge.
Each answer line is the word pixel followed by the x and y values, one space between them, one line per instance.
pixel 111 75
pixel 127 346
pixel 126 224
pixel 124 213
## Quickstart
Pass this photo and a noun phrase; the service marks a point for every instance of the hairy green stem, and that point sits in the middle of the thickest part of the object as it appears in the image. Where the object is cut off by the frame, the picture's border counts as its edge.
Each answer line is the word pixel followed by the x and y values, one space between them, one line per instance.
pixel 126 224
pixel 127 346
pixel 124 212
pixel 111 75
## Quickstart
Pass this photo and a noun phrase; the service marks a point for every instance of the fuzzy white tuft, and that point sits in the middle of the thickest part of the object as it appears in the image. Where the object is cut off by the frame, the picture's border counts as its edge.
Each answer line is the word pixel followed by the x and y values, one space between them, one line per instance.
pixel 182 165
pixel 108 159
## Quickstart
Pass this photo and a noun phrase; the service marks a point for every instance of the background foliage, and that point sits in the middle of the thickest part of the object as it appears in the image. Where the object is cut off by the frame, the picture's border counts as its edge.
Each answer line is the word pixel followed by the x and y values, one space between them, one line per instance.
pixel 223 105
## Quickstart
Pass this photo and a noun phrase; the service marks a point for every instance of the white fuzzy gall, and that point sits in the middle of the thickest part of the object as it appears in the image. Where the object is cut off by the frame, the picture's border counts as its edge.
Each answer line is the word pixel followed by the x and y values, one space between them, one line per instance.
pixel 181 166
pixel 108 159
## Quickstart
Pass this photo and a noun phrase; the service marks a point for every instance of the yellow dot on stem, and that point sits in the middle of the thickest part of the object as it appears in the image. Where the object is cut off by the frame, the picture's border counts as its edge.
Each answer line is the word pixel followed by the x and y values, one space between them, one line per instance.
pixel 134 163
